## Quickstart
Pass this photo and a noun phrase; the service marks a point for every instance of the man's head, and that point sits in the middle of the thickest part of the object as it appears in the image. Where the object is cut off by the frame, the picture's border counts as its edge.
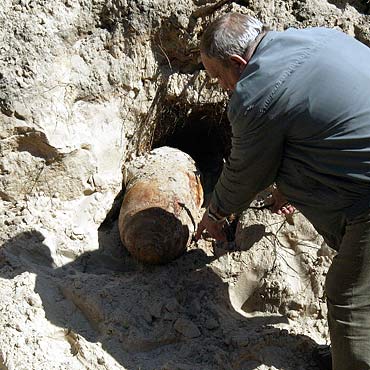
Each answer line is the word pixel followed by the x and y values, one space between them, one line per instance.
pixel 228 44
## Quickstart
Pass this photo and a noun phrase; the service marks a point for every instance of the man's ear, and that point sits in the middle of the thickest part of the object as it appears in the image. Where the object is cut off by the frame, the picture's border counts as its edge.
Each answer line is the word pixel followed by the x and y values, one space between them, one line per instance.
pixel 238 62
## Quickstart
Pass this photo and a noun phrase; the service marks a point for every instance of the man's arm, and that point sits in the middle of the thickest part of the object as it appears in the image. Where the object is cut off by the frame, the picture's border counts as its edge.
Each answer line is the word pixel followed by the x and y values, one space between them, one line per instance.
pixel 256 154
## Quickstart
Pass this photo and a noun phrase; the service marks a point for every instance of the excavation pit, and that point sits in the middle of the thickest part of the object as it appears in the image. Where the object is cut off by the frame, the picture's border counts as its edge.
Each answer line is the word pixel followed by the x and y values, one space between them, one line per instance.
pixel 166 187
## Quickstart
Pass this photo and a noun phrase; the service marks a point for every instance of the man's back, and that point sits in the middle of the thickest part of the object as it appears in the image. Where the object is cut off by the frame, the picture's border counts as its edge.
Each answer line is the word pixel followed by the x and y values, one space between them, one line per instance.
pixel 308 93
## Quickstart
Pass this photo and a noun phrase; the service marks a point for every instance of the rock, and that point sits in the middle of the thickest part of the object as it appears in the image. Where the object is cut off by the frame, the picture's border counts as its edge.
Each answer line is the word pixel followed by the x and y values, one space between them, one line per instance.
pixel 187 328
pixel 156 309
pixel 211 323
pixel 172 305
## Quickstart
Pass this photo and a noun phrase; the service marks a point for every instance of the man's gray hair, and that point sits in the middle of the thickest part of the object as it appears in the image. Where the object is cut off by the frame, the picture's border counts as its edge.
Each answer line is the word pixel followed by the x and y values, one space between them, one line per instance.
pixel 233 33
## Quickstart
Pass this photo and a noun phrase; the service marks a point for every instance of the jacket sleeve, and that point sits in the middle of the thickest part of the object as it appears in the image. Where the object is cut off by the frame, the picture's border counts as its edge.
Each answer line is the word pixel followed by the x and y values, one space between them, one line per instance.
pixel 257 148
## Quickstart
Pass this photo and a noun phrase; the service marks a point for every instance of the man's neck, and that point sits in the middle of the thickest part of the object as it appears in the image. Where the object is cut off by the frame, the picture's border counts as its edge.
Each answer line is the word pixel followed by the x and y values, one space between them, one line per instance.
pixel 254 46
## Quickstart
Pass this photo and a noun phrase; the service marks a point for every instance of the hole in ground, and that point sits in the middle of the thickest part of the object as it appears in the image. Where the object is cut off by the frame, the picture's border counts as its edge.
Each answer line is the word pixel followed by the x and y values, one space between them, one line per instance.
pixel 201 131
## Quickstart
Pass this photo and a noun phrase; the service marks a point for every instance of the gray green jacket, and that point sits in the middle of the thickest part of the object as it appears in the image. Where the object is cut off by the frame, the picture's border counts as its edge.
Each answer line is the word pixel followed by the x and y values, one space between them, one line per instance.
pixel 300 117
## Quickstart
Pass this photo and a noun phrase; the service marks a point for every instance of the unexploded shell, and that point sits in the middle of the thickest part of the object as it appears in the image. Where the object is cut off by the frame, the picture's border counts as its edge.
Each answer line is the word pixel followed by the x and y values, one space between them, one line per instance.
pixel 161 205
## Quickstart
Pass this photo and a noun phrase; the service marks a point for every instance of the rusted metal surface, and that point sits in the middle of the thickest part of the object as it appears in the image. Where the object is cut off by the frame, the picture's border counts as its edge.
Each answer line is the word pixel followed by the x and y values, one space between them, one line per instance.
pixel 161 205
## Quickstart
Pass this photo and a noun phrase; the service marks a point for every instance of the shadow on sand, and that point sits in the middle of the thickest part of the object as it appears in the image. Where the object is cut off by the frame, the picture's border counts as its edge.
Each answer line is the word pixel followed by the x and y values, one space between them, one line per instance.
pixel 133 310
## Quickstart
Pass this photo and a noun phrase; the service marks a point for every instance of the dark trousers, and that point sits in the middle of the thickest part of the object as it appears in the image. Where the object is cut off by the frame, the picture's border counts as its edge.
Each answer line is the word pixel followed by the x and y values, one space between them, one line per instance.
pixel 348 297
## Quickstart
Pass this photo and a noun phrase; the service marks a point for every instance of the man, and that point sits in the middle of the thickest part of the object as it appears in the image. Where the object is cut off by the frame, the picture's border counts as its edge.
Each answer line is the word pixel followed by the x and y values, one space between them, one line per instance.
pixel 300 115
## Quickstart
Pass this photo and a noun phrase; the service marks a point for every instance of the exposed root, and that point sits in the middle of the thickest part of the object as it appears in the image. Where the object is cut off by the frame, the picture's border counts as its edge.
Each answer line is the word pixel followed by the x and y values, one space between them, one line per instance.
pixel 209 9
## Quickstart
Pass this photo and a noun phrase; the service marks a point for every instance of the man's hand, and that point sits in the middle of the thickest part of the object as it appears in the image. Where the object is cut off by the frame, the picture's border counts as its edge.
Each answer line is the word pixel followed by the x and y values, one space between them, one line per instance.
pixel 214 228
pixel 280 205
